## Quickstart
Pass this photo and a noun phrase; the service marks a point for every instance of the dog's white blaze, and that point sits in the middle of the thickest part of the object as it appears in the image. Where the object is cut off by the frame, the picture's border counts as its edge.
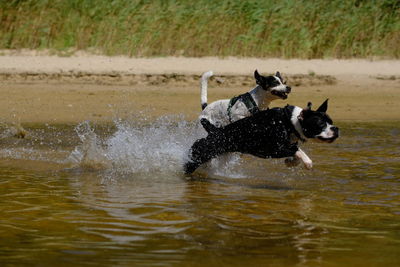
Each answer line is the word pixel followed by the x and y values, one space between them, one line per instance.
pixel 281 86
pixel 327 132
pixel 296 122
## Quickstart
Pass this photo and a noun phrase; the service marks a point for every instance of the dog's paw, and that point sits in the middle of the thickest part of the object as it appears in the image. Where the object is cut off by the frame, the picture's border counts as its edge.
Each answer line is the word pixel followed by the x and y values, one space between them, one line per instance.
pixel 292 162
pixel 308 165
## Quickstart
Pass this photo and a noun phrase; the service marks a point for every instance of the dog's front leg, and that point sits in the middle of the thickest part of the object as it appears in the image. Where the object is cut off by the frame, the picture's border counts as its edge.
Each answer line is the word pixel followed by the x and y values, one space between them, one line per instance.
pixel 304 158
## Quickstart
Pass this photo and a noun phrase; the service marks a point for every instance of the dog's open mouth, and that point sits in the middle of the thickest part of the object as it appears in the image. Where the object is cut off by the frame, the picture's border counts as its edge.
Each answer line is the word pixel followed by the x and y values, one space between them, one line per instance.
pixel 280 94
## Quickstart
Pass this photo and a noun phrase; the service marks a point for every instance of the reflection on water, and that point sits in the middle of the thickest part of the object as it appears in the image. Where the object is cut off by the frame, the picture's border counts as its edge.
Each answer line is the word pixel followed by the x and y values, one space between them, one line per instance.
pixel 115 195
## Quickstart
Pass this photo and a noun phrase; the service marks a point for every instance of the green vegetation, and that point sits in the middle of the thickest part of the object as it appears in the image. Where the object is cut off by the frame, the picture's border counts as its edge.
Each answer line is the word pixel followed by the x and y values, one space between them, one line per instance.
pixel 255 28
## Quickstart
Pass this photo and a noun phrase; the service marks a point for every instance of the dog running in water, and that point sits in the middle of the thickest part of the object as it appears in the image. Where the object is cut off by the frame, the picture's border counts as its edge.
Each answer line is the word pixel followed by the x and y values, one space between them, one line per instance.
pixel 272 133
pixel 222 112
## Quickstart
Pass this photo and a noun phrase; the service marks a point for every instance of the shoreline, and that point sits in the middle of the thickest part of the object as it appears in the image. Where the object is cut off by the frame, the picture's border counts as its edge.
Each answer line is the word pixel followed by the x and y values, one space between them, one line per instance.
pixel 27 61
pixel 59 90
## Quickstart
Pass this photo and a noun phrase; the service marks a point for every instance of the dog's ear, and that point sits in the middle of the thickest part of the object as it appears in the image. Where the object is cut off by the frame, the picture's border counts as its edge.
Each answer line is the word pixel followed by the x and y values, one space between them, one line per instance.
pixel 323 107
pixel 278 74
pixel 304 111
pixel 260 80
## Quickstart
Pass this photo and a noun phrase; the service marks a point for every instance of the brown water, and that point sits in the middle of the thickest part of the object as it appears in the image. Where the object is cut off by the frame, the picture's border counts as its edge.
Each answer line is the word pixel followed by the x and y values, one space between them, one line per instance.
pixel 115 195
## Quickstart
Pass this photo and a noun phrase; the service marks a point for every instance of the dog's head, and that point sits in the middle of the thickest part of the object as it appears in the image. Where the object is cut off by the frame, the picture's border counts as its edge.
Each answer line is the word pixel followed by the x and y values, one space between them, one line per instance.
pixel 273 84
pixel 317 124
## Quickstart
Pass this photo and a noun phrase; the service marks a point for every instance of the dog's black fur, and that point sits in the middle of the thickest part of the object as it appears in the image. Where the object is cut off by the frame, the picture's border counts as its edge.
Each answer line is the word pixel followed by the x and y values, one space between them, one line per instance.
pixel 267 134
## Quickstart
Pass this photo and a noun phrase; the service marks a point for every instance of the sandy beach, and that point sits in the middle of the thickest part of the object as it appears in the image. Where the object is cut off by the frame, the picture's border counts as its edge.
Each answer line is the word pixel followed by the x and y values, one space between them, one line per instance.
pixel 38 88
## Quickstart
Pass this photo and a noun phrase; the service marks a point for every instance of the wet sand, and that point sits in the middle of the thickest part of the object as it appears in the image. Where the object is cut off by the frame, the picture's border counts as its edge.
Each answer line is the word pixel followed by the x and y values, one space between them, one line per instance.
pixel 50 89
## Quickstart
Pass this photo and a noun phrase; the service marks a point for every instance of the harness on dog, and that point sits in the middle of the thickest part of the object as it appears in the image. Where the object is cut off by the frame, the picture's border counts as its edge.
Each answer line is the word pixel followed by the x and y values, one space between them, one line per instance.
pixel 248 100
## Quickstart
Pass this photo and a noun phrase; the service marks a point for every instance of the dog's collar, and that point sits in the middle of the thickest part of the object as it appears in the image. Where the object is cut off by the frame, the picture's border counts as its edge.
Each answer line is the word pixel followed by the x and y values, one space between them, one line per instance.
pixel 288 112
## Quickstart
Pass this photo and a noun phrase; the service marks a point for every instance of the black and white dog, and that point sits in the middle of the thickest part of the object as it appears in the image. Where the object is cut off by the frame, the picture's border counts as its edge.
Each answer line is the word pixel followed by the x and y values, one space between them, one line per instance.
pixel 272 133
pixel 222 112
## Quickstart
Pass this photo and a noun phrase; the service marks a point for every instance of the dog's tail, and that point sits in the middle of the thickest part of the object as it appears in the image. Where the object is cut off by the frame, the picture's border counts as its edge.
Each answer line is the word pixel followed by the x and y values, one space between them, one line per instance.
pixel 204 81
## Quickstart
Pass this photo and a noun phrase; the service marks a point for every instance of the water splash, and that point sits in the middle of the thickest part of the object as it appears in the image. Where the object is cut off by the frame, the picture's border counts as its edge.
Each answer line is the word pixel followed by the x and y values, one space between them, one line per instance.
pixel 160 146
pixel 12 130
pixel 90 153
pixel 227 165
pixel 136 146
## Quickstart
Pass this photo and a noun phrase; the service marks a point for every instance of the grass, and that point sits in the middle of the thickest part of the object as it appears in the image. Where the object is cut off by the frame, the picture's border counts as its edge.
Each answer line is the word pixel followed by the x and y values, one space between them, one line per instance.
pixel 269 28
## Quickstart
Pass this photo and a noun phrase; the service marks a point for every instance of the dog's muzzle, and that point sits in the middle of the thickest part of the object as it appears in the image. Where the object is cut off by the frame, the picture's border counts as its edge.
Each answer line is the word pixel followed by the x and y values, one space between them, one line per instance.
pixel 283 94
pixel 335 135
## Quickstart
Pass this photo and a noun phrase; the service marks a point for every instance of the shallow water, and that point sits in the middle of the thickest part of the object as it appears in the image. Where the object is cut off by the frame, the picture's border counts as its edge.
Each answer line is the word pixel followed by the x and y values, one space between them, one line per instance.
pixel 116 195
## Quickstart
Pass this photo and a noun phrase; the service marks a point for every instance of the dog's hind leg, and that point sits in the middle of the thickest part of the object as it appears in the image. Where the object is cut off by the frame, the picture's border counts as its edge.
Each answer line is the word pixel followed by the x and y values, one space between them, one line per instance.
pixel 202 151
pixel 190 167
